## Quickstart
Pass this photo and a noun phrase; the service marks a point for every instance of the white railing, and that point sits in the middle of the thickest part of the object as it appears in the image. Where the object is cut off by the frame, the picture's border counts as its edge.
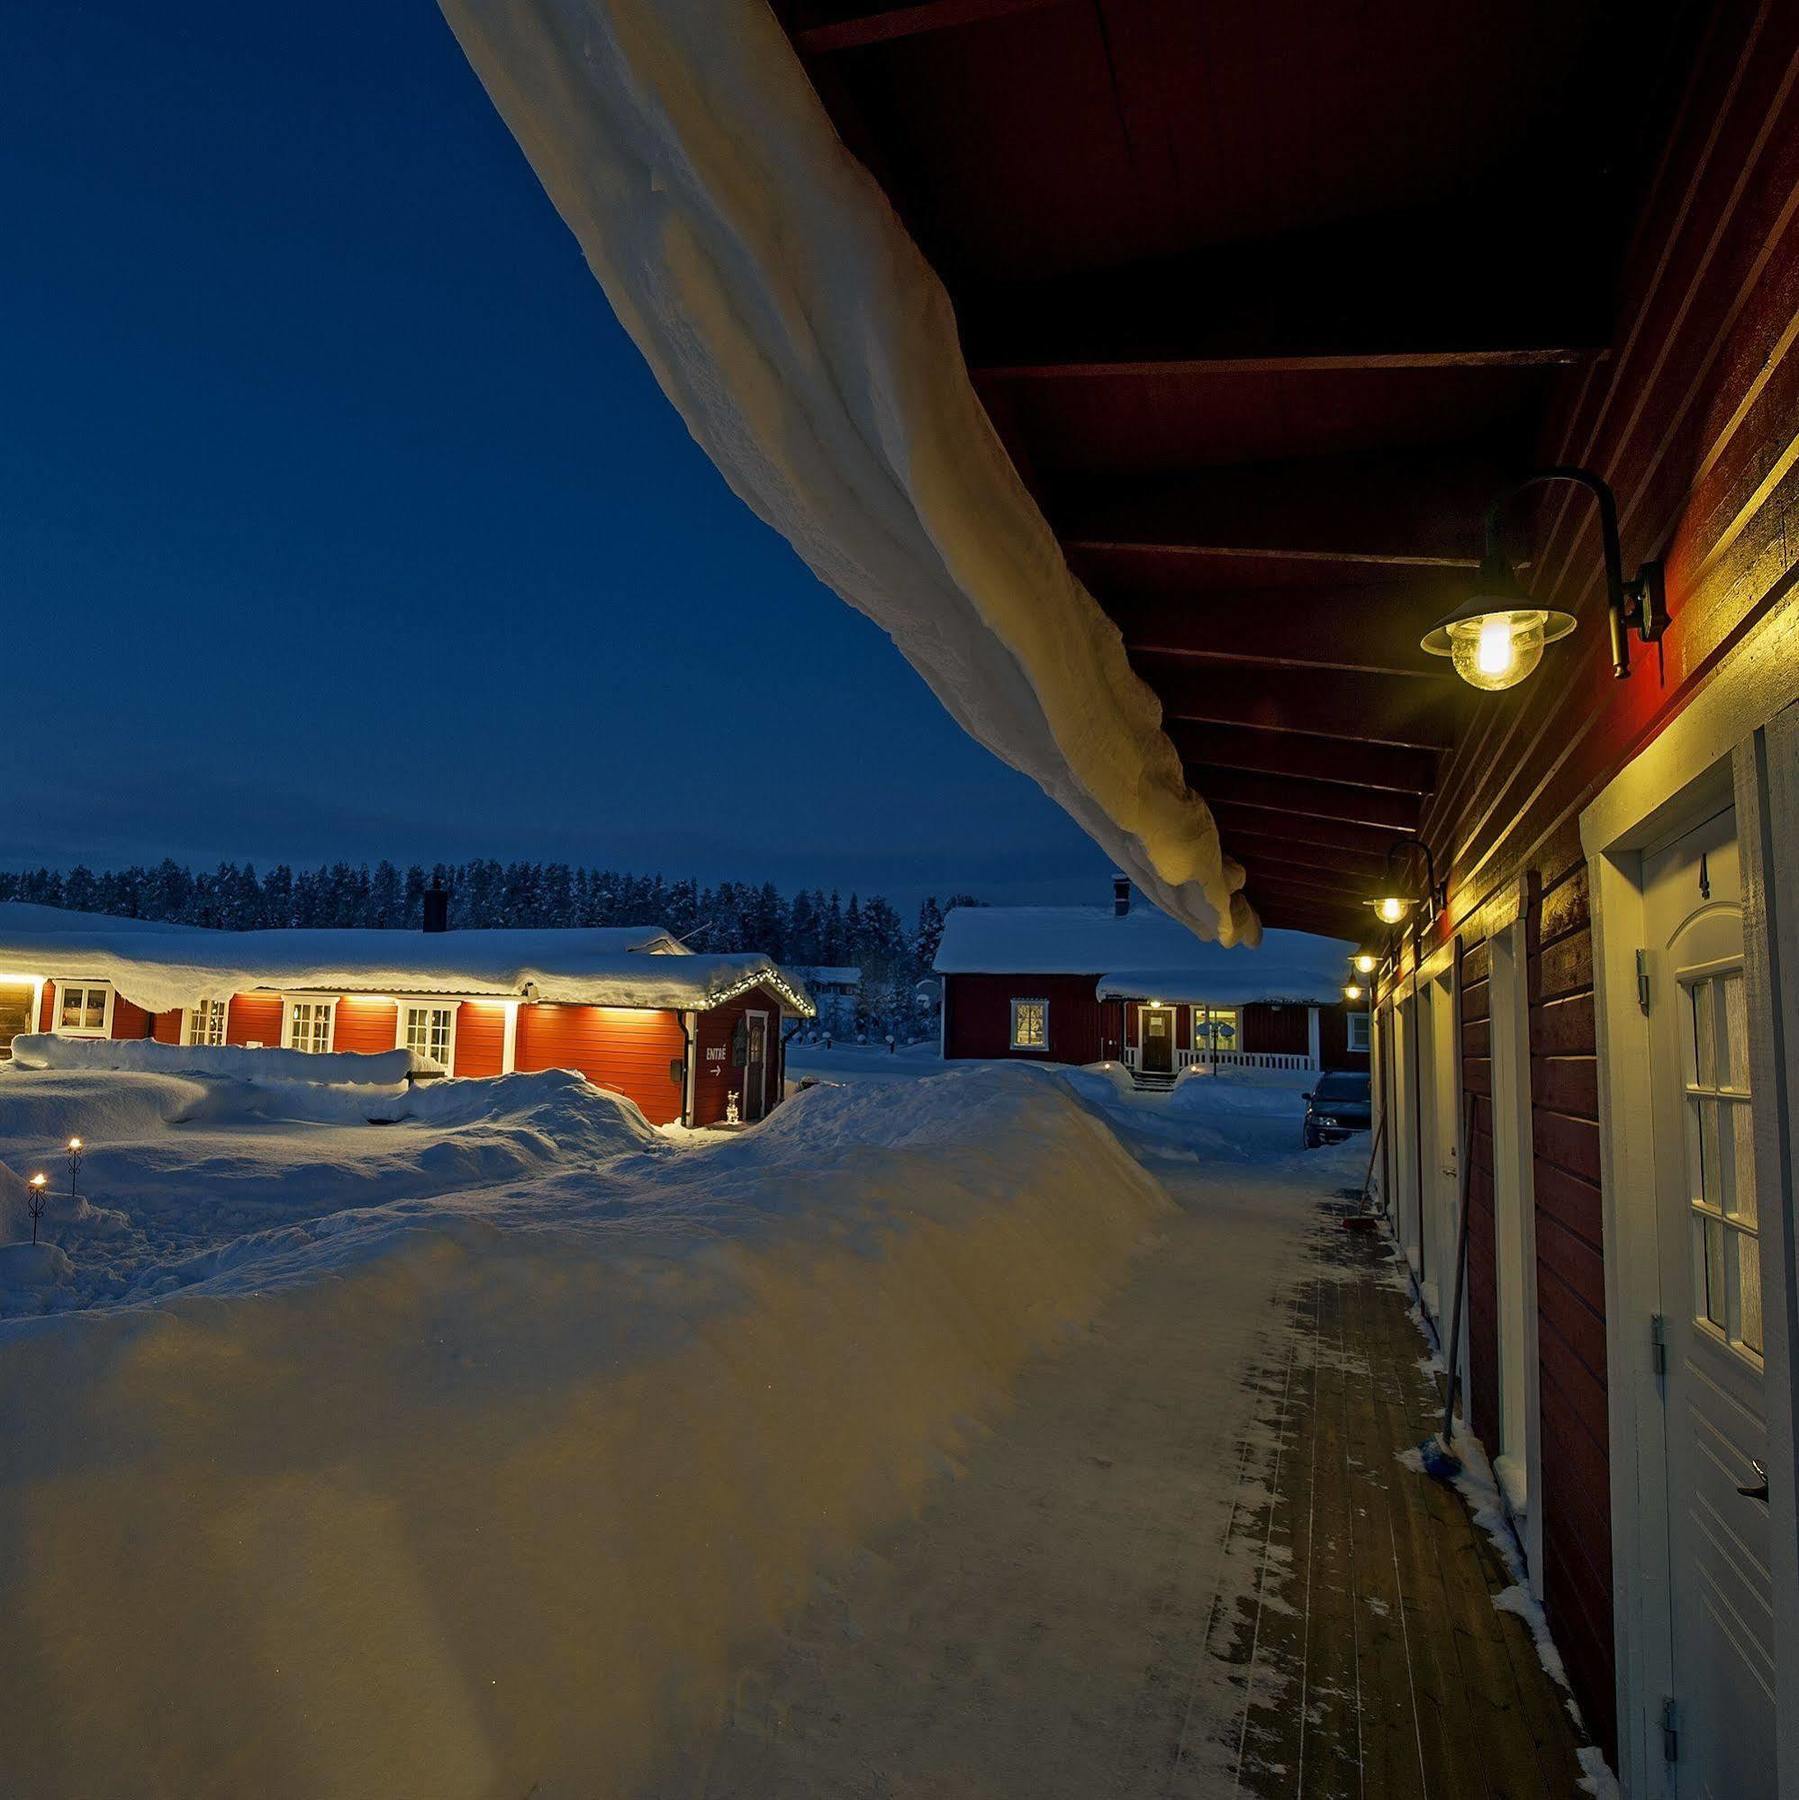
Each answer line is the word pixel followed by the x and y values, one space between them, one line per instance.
pixel 1244 1059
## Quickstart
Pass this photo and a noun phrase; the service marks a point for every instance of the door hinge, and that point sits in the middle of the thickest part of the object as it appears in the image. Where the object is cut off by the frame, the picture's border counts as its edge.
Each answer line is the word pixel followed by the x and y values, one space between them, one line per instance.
pixel 1658 1345
pixel 1670 1730
pixel 1643 979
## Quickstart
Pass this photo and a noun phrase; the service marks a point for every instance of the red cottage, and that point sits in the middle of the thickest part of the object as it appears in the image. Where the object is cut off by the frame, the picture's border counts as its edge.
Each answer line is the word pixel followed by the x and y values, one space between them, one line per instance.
pixel 1081 984
pixel 627 1007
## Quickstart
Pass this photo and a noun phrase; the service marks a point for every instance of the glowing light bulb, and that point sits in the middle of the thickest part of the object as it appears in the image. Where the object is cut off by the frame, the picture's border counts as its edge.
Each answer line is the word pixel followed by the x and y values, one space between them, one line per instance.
pixel 1366 962
pixel 1496 650
pixel 1493 649
pixel 1352 991
pixel 1390 908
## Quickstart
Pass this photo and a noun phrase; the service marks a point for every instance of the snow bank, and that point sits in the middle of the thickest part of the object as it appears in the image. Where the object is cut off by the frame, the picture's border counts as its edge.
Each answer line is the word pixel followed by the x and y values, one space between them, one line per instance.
pixel 814 356
pixel 144 1056
pixel 481 1497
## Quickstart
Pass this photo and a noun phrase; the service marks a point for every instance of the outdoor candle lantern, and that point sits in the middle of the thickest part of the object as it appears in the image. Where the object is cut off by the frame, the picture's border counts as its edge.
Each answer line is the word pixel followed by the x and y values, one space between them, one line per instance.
pixel 1496 637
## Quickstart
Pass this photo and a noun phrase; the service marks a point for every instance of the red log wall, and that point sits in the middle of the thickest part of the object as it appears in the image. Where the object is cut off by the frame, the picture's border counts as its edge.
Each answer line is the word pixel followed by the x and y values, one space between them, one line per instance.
pixel 480 1039
pixel 627 1049
pixel 1082 1029
pixel 364 1024
pixel 254 1017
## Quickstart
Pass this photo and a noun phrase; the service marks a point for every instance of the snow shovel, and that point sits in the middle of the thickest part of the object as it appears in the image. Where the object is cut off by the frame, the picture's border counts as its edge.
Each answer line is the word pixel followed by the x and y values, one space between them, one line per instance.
pixel 1367 1217
pixel 1440 1461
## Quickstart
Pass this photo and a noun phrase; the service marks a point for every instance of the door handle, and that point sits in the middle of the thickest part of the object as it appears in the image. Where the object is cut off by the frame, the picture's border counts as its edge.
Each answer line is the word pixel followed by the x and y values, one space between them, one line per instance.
pixel 1760 1490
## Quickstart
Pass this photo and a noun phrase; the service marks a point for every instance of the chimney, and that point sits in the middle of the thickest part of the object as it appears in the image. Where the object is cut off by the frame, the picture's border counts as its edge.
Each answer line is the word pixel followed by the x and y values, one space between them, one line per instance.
pixel 437 909
pixel 1121 895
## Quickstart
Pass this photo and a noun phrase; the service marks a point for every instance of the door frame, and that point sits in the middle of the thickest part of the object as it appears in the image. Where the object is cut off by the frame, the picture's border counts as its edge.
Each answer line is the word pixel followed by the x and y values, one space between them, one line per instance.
pixel 755 1012
pixel 1735 742
pixel 1143 1013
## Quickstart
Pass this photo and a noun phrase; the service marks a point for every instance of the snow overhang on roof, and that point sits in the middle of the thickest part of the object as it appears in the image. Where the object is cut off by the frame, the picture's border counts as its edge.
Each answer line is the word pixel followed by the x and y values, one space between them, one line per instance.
pixel 163 967
pixel 1143 956
pixel 814 356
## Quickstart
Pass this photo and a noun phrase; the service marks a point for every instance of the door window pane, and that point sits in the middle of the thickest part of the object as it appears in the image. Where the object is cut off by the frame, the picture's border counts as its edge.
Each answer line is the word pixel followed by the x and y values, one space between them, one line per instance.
pixel 1721 1162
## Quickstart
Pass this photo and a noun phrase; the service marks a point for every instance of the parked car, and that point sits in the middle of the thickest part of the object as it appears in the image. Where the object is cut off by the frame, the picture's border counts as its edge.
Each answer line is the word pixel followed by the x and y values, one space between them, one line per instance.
pixel 1338 1105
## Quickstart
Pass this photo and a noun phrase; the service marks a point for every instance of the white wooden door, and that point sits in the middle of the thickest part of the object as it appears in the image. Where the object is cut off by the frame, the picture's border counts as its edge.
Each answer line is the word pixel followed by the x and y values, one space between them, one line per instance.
pixel 1708 1236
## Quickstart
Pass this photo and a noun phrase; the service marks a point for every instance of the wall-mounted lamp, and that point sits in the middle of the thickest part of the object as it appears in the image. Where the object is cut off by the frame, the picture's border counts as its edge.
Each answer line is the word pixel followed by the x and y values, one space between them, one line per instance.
pixel 1366 962
pixel 1495 638
pixel 1399 892
pixel 1352 991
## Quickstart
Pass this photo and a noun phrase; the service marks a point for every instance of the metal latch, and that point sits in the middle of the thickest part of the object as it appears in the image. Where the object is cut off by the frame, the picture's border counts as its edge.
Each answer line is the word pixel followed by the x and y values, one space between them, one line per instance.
pixel 1658 1345
pixel 1643 980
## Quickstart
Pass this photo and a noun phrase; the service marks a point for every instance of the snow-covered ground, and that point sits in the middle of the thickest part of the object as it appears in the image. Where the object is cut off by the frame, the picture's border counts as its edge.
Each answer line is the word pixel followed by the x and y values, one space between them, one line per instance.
pixel 459 1453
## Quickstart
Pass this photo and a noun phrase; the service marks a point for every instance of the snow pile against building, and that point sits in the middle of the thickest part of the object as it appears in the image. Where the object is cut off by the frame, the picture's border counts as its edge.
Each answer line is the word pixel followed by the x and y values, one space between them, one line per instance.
pixel 464 1479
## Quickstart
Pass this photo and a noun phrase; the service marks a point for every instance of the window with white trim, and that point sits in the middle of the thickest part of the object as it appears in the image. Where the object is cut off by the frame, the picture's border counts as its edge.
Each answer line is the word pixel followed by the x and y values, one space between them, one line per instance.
pixel 307 1025
pixel 1358 1032
pixel 1030 1025
pixel 429 1032
pixel 206 1021
pixel 83 1008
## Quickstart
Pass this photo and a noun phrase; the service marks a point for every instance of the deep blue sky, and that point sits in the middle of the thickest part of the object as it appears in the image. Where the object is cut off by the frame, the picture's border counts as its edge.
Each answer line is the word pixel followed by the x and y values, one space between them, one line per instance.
pixel 338 517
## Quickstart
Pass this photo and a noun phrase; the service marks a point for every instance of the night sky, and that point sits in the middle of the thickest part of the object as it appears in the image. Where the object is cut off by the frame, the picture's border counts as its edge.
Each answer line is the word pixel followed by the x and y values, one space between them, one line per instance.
pixel 338 517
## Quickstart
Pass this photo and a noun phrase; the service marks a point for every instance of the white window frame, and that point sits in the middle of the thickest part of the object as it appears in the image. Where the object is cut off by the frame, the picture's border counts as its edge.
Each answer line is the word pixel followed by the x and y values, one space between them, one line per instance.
pixel 199 1019
pixel 1037 1001
pixel 429 1003
pixel 1358 1019
pixel 104 1029
pixel 328 1002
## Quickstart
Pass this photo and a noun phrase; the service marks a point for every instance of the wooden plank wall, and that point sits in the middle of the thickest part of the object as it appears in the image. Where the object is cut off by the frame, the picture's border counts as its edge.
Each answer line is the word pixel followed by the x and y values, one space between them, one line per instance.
pixel 1483 1236
pixel 1571 1321
pixel 1691 419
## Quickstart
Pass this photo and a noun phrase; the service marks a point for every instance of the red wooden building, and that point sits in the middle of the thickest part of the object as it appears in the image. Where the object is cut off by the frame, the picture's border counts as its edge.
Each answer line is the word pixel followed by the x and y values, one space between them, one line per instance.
pixel 629 1008
pixel 1083 984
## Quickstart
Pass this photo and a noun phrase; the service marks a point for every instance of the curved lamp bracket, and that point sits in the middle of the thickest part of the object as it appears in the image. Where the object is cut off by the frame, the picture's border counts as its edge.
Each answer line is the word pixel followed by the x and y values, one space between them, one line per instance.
pixel 1640 604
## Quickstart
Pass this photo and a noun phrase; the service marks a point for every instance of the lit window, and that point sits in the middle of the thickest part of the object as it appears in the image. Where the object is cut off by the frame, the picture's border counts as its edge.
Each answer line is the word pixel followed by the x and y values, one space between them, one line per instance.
pixel 1358 1032
pixel 1030 1024
pixel 429 1032
pixel 81 1008
pixel 206 1022
pixel 1215 1027
pixel 309 1025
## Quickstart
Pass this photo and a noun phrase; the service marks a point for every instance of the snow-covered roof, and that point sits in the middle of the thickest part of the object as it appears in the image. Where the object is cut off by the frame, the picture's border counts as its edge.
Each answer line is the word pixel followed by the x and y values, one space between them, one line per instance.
pixel 1145 955
pixel 160 966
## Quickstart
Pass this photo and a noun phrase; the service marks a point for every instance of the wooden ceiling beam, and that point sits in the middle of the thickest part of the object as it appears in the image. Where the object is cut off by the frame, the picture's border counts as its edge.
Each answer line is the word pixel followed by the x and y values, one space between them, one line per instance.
pixel 1315 799
pixel 1311 759
pixel 1302 828
pixel 1333 627
pixel 1253 306
pixel 824 36
pixel 1361 867
pixel 1418 510
pixel 1374 709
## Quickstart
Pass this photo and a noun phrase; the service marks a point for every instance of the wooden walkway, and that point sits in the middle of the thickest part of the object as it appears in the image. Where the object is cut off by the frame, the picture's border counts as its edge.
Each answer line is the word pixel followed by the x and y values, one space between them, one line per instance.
pixel 1411 1682
pixel 1188 1562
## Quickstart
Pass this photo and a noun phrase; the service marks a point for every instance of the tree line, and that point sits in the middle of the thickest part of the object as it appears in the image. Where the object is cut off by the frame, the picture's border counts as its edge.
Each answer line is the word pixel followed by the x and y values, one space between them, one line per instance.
pixel 808 928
